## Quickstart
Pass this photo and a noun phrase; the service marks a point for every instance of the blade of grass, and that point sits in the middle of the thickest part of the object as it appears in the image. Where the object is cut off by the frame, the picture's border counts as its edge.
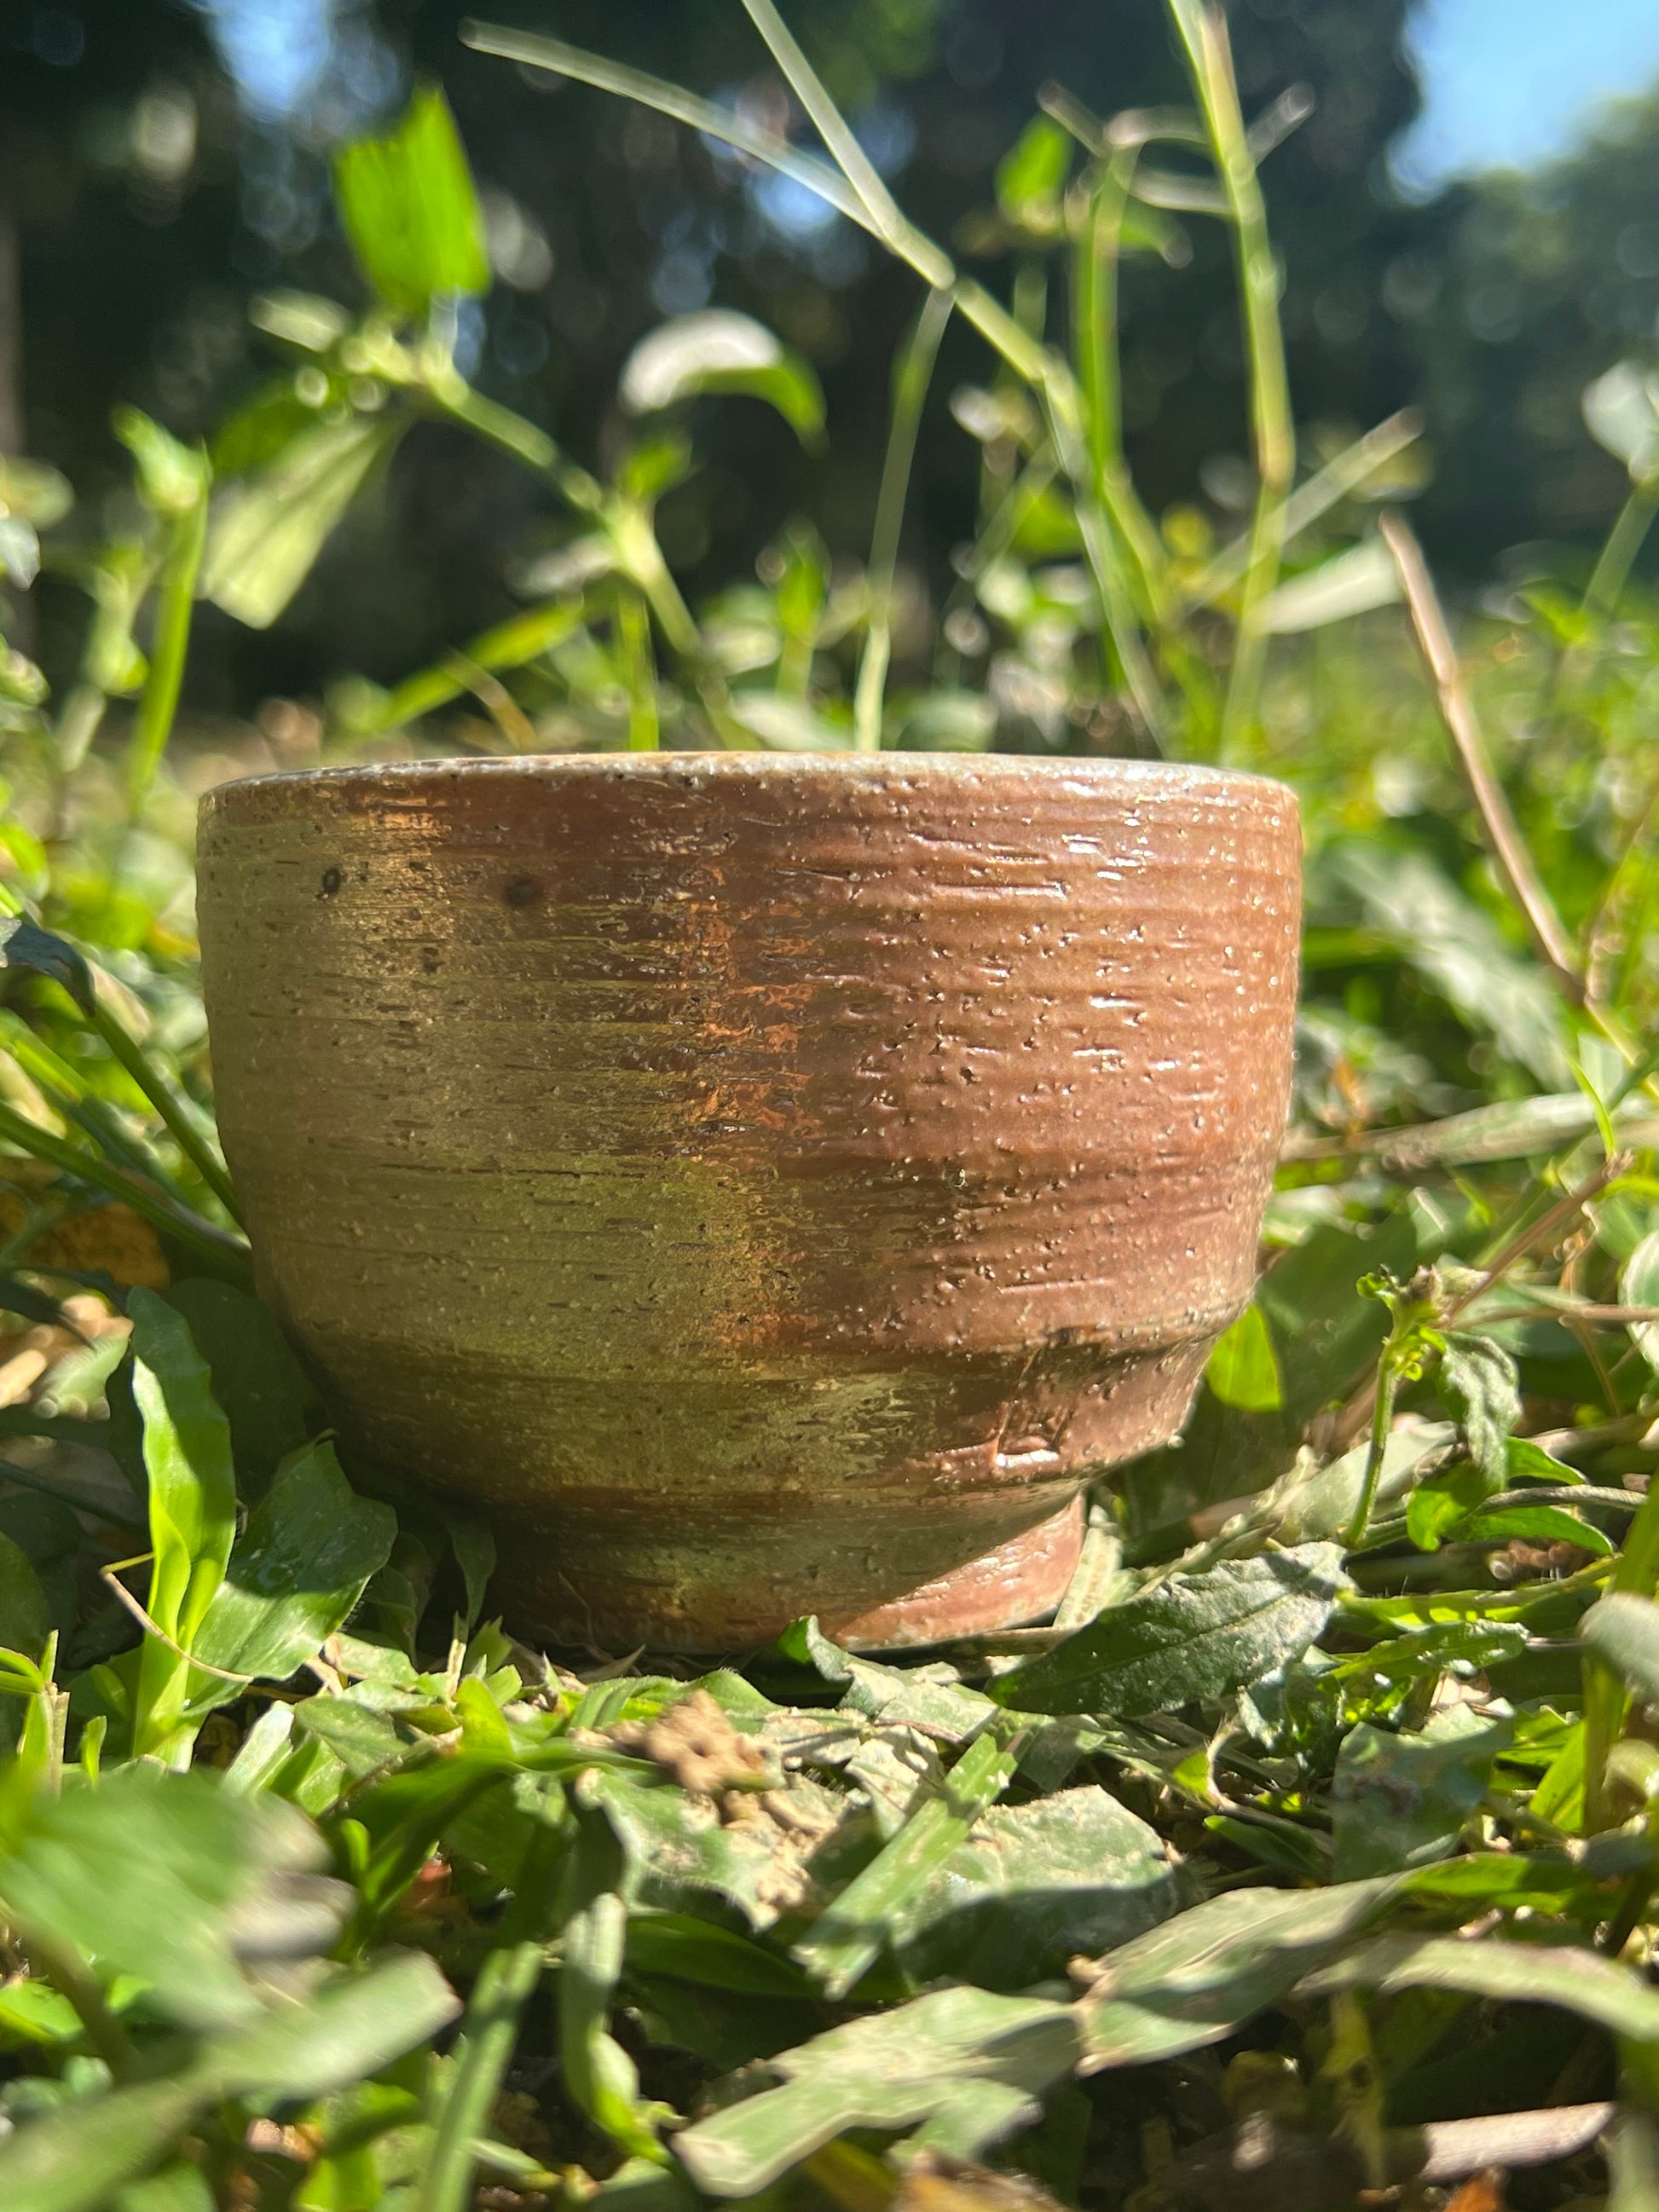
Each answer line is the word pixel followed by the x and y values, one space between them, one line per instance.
pixel 506 1981
pixel 510 644
pixel 1311 500
pixel 158 704
pixel 1095 285
pixel 164 1214
pixel 912 375
pixel 1202 33
pixel 192 1517
pixel 890 225
pixel 698 114
pixel 148 1079
pixel 846 1941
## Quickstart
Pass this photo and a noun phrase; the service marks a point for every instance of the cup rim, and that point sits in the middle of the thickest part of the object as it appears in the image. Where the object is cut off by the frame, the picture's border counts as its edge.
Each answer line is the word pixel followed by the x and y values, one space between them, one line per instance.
pixel 1171 779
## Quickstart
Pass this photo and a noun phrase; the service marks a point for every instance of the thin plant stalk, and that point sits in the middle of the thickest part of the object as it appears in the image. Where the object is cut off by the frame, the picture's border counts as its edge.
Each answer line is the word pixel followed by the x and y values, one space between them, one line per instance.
pixel 1388 1384
pixel 158 704
pixel 1000 527
pixel 911 378
pixel 1101 546
pixel 1624 542
pixel 1134 558
pixel 1577 661
pixel 1203 37
pixel 1515 862
pixel 1095 279
pixel 635 545
pixel 525 441
pixel 638 671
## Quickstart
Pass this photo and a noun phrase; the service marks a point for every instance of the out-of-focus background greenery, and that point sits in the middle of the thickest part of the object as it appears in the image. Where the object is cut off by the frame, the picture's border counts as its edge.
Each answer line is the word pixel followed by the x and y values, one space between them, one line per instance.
pixel 161 163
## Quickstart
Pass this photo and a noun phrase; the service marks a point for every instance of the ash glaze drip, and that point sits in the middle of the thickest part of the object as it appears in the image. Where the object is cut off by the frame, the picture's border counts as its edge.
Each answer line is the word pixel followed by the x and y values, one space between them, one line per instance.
pixel 763 1186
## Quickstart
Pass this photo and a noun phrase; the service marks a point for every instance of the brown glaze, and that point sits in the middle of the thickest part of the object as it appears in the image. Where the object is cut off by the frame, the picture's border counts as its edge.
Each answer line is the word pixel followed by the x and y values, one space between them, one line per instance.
pixel 764 1186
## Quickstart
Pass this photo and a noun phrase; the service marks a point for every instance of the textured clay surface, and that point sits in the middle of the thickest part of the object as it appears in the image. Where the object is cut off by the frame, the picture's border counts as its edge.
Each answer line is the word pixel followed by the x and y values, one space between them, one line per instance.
pixel 761 1186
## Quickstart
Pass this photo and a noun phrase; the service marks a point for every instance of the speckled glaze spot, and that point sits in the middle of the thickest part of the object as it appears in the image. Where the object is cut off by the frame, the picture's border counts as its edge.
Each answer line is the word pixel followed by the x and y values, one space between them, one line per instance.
pixel 764 1186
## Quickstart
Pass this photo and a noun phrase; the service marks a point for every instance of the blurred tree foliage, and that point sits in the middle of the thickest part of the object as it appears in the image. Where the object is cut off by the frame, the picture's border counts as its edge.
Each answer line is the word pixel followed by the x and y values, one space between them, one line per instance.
pixel 1517 291
pixel 151 210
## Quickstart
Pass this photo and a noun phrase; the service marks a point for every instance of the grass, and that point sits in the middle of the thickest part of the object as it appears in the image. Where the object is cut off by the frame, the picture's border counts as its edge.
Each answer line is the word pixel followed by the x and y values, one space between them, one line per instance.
pixel 1310 1856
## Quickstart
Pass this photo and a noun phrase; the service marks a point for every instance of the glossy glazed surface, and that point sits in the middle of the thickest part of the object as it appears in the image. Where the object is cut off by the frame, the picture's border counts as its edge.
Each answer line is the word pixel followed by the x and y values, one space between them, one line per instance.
pixel 764 1186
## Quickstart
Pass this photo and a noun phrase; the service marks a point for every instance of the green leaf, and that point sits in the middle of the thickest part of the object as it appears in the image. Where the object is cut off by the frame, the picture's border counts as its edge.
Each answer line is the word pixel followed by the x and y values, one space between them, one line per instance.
pixel 958 2047
pixel 74 2157
pixel 1624 1630
pixel 33 491
pixel 1535 1524
pixel 360 2023
pixel 1244 1369
pixel 1621 412
pixel 1206 1972
pixel 711 1957
pixel 306 320
pixel 411 212
pixel 1031 176
pixel 180 2187
pixel 365 1741
pixel 1353 582
pixel 1430 1648
pixel 475 1555
pixel 1458 948
pixel 172 478
pixel 32 2012
pixel 1559 1796
pixel 24 944
pixel 847 1939
pixel 1580 1981
pixel 1638 1285
pixel 1477 1378
pixel 257 1381
pixel 715 350
pixel 192 1506
pixel 20 550
pixel 1032 1886
pixel 167 1877
pixel 1439 1505
pixel 25 1616
pixel 1527 1461
pixel 1193 1635
pixel 71 2159
pixel 51 1538
pixel 1401 1801
pixel 296 1574
pixel 267 530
